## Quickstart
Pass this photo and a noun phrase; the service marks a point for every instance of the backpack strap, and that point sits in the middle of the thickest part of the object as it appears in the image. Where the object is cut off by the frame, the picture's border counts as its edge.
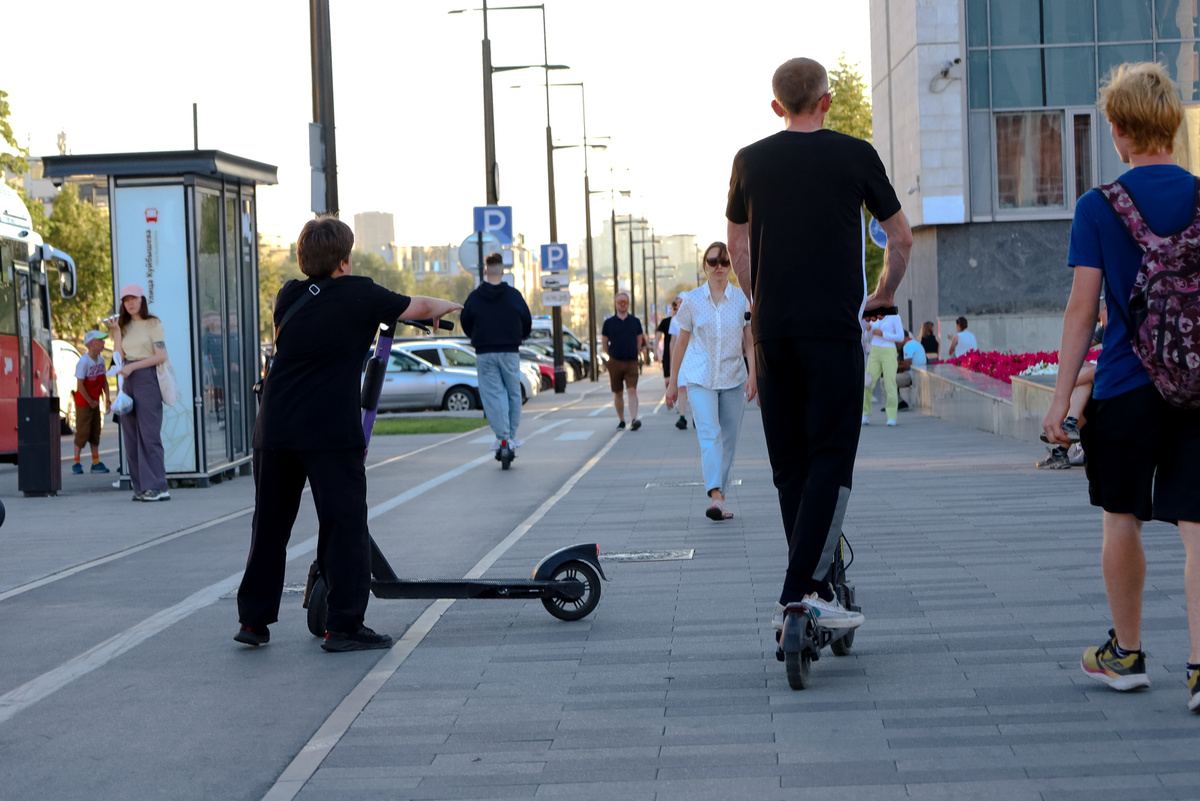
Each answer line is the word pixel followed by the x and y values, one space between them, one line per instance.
pixel 314 289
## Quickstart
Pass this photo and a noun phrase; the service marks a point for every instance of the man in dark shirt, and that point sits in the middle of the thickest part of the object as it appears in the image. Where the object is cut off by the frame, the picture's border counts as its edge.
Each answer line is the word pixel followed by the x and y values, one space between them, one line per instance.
pixel 309 427
pixel 664 330
pixel 623 340
pixel 497 319
pixel 796 237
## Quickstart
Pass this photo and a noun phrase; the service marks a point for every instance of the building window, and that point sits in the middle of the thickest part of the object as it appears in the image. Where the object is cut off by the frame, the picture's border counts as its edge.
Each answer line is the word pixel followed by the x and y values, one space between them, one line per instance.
pixel 1029 160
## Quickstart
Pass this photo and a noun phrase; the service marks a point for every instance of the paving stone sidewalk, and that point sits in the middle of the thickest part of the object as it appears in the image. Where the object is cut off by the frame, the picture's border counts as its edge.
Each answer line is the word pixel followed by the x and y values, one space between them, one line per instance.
pixel 980 580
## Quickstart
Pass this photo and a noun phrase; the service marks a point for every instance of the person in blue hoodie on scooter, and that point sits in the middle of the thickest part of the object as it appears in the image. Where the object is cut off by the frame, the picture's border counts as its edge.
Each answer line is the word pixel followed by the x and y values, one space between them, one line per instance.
pixel 496 318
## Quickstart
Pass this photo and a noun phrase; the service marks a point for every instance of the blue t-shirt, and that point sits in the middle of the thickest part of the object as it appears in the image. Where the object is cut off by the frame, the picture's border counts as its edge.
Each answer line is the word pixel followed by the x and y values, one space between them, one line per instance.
pixel 1166 196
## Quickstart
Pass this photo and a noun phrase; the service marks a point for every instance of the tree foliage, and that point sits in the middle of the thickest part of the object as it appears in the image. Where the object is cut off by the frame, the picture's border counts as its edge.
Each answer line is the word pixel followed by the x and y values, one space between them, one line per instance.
pixel 14 162
pixel 81 230
pixel 850 113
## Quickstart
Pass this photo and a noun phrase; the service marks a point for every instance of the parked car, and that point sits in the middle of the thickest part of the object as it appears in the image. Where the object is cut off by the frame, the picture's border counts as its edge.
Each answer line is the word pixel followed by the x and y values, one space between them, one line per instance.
pixel 577 366
pixel 456 352
pixel 412 383
pixel 544 366
pixel 543 334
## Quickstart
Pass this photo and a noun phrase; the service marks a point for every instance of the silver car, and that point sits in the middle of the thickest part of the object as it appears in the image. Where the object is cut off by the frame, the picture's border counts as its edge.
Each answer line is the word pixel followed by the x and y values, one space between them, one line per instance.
pixel 458 354
pixel 412 383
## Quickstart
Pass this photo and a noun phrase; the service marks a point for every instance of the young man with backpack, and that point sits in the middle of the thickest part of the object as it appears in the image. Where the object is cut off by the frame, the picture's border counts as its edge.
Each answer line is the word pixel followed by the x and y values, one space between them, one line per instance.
pixel 1141 430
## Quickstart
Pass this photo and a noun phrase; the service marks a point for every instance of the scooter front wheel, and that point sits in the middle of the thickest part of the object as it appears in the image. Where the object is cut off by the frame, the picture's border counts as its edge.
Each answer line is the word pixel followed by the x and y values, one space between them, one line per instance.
pixel 318 607
pixel 574 609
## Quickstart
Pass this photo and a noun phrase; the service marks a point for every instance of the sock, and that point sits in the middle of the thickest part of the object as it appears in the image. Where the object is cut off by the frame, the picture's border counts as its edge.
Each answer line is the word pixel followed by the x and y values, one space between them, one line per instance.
pixel 1059 450
pixel 1121 652
pixel 95 460
pixel 1072 420
pixel 1192 666
pixel 76 460
pixel 826 593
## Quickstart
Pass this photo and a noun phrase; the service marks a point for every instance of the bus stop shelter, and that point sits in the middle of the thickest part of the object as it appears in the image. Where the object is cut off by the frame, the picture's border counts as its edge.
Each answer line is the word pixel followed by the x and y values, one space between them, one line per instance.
pixel 184 227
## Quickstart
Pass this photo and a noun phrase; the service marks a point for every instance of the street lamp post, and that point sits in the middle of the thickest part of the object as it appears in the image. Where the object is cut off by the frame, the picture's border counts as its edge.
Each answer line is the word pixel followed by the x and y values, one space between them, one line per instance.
pixel 630 221
pixel 322 86
pixel 645 282
pixel 654 272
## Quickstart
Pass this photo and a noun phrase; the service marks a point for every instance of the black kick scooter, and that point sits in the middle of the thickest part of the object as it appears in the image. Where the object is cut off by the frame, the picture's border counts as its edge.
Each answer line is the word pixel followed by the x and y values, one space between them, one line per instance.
pixel 567 581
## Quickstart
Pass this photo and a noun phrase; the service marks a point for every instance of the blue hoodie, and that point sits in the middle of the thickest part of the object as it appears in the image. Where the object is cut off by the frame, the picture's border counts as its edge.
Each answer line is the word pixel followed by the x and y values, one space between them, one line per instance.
pixel 496 318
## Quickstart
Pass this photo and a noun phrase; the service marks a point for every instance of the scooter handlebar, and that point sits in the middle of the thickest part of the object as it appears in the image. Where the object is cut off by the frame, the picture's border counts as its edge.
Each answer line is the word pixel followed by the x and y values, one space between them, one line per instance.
pixel 443 325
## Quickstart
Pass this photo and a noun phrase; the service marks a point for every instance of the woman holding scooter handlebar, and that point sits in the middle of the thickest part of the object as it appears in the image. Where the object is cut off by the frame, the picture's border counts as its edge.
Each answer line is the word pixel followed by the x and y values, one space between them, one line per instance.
pixel 309 428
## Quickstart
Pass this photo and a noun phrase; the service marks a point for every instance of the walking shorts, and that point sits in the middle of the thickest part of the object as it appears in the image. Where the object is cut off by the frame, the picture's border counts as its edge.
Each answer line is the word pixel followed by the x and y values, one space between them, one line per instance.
pixel 622 374
pixel 87 425
pixel 1143 456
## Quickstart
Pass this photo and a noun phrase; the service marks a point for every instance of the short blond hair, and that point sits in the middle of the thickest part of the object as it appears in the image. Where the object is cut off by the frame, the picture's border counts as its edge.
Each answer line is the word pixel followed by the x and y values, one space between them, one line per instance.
pixel 1143 102
pixel 799 84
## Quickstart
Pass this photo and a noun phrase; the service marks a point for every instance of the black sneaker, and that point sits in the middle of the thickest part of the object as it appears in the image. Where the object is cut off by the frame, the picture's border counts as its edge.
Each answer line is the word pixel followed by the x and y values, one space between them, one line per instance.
pixel 253 635
pixel 635 425
pixel 1057 460
pixel 1070 427
pixel 362 640
pixel 621 426
pixel 681 423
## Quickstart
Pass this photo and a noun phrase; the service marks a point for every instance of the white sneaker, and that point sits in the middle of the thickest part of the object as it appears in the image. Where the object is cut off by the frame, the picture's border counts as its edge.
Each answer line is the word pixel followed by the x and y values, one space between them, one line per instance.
pixel 832 615
pixel 514 443
pixel 891 422
pixel 866 420
pixel 496 444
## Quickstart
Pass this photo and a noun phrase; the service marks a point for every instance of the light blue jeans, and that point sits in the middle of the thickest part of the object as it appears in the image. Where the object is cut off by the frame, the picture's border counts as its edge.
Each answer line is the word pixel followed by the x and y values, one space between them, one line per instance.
pixel 500 391
pixel 717 416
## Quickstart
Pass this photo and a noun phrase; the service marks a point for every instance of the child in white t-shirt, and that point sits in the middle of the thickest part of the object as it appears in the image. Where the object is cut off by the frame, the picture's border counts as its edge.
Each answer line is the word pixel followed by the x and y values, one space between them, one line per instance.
pixel 90 383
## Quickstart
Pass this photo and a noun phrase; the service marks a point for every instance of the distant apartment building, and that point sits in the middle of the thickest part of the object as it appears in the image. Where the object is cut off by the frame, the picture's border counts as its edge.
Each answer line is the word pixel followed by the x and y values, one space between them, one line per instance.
pixel 375 232
pixel 985 117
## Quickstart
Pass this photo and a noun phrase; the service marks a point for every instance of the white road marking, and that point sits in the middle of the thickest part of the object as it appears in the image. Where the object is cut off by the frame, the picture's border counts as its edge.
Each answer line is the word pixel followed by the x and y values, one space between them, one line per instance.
pixel 34 690
pixel 573 436
pixel 301 769
pixel 601 409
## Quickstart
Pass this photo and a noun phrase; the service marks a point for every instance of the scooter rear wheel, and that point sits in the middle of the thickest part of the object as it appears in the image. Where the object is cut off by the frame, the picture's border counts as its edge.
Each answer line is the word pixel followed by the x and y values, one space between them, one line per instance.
pixel 566 608
pixel 797 665
pixel 506 457
pixel 318 607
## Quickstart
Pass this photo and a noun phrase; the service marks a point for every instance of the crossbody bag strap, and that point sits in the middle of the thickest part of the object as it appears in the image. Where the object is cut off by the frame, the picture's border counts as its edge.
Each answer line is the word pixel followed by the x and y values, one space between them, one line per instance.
pixel 314 289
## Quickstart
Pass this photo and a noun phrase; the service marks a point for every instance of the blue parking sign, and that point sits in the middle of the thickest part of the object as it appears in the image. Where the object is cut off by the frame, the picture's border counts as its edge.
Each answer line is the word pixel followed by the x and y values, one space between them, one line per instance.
pixel 554 258
pixel 495 220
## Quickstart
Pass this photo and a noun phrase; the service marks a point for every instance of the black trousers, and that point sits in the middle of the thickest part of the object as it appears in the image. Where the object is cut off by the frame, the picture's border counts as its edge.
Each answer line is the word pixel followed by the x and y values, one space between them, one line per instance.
pixel 810 391
pixel 339 488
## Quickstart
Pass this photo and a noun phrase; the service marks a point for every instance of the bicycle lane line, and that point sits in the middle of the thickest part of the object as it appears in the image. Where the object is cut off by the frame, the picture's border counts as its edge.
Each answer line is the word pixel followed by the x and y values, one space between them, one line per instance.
pixel 306 763
pixel 40 687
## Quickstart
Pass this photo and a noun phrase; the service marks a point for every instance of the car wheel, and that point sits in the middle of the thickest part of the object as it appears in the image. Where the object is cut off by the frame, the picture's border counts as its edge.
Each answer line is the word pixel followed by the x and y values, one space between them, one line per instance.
pixel 547 382
pixel 524 397
pixel 70 417
pixel 459 399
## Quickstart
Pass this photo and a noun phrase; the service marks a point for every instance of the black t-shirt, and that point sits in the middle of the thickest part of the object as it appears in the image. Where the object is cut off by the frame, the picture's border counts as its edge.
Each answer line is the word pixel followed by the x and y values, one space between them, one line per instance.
pixel 929 343
pixel 311 398
pixel 622 337
pixel 802 194
pixel 664 328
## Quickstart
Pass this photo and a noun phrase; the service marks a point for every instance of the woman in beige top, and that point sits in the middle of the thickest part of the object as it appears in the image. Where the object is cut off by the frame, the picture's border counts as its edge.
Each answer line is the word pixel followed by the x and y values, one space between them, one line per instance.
pixel 138 336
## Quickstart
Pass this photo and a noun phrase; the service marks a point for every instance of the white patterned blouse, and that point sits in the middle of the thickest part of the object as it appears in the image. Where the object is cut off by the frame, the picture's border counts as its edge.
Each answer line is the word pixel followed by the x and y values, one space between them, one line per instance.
pixel 714 355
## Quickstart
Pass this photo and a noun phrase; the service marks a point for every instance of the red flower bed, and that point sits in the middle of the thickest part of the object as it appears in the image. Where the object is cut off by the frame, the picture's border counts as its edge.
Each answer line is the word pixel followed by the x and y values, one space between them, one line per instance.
pixel 1005 365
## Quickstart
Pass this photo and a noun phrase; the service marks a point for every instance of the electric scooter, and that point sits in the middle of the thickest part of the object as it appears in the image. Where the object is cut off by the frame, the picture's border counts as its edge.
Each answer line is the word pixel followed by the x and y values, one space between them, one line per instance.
pixel 566 581
pixel 802 638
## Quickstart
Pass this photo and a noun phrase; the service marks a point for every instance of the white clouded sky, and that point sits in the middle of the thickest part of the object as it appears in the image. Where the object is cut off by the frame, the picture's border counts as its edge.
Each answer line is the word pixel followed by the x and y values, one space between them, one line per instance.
pixel 679 86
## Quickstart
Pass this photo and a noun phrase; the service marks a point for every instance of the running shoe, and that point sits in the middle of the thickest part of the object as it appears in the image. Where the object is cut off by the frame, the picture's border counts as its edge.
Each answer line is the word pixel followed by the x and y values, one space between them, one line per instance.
pixel 1194 690
pixel 1070 427
pixel 681 423
pixel 77 469
pixel 866 420
pixel 1076 456
pixel 1121 673
pixel 156 495
pixel 831 614
pixel 1057 460
pixel 99 467
pixel 362 640
pixel 621 426
pixel 635 425
pixel 253 635
pixel 891 422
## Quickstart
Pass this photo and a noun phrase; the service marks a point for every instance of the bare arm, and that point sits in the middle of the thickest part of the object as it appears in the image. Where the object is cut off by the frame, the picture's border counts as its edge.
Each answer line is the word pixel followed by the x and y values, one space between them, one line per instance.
pixel 895 260
pixel 739 254
pixel 678 349
pixel 748 349
pixel 424 308
pixel 1078 321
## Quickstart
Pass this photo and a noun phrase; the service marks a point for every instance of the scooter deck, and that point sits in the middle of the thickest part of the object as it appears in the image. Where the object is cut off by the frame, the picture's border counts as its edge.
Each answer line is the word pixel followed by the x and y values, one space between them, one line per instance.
pixel 571 589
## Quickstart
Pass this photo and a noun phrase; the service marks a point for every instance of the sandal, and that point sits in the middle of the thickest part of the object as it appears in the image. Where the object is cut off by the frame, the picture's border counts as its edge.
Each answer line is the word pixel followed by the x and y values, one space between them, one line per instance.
pixel 717 512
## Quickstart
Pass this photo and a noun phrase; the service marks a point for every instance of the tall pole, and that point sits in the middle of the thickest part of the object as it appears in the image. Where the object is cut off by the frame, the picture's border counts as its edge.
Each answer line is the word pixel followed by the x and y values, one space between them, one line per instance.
pixel 612 194
pixel 322 83
pixel 654 274
pixel 645 283
pixel 489 123
pixel 591 273
pixel 560 370
pixel 632 274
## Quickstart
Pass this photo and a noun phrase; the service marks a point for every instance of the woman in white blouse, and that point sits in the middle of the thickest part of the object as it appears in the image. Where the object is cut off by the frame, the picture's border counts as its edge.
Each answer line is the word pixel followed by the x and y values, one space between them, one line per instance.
pixel 712 348
pixel 882 363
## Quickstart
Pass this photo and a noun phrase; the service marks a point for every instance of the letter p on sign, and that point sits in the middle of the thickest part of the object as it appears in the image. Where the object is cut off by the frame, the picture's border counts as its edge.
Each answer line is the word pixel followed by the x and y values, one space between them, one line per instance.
pixel 495 220
pixel 554 258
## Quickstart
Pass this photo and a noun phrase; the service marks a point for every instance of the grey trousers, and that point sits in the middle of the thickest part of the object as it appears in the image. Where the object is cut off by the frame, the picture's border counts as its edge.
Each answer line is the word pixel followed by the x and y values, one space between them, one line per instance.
pixel 141 431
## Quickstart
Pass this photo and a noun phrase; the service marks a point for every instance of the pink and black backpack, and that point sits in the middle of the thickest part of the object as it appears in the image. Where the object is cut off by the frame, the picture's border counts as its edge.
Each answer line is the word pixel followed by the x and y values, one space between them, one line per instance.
pixel 1164 307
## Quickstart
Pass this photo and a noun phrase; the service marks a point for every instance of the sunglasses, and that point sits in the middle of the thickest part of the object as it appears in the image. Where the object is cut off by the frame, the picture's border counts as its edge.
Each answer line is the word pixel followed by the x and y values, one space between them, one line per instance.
pixel 622 303
pixel 714 262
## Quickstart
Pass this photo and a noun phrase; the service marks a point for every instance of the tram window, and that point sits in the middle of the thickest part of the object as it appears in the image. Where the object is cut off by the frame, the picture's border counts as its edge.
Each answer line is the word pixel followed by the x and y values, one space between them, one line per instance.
pixel 8 296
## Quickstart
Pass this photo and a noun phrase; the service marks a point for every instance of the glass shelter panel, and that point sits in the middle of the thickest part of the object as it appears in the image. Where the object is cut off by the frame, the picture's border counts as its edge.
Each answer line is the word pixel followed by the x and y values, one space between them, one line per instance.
pixel 212 362
pixel 233 327
pixel 1029 160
